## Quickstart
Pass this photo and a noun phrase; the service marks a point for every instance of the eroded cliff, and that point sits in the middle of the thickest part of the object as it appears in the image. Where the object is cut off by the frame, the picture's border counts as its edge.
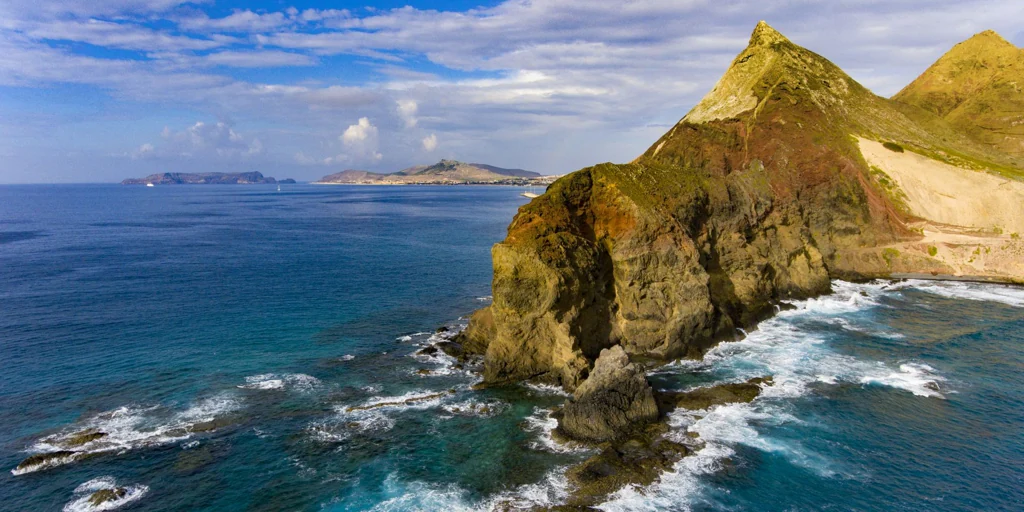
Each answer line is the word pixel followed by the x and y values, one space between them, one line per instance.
pixel 759 194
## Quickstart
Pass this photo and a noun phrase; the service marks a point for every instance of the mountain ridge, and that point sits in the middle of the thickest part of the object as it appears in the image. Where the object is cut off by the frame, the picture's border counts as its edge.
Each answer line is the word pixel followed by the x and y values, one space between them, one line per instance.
pixel 443 172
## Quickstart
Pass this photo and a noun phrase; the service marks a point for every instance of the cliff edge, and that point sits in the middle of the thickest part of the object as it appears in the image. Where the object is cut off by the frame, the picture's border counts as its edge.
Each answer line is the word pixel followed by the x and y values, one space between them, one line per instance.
pixel 760 194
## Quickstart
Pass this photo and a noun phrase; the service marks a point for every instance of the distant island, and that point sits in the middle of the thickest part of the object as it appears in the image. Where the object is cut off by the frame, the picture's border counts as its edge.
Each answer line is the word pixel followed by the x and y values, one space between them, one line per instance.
pixel 206 178
pixel 445 172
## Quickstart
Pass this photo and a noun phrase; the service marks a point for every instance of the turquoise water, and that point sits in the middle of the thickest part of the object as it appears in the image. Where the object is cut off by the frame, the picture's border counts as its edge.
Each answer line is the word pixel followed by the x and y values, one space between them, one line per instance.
pixel 221 336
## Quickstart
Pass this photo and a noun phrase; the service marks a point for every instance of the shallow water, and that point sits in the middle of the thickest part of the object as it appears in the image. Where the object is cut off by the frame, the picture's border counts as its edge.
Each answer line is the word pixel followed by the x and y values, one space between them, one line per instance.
pixel 221 337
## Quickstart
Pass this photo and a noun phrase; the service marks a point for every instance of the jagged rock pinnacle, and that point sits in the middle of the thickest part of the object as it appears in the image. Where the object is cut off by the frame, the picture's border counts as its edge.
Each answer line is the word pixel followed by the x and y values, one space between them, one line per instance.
pixel 765 35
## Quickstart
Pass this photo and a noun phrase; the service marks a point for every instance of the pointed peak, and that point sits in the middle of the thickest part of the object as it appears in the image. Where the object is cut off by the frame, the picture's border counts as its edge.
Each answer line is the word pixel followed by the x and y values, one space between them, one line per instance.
pixel 989 37
pixel 765 35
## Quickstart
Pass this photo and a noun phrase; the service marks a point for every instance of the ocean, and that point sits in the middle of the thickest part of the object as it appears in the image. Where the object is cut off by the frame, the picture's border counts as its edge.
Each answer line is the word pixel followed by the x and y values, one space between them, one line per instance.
pixel 241 348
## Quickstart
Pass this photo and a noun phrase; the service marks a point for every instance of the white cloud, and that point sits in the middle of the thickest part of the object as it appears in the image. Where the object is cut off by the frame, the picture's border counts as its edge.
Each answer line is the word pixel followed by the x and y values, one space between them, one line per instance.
pixel 361 141
pixel 259 59
pixel 430 142
pixel 576 81
pixel 407 111
pixel 202 141
pixel 359 133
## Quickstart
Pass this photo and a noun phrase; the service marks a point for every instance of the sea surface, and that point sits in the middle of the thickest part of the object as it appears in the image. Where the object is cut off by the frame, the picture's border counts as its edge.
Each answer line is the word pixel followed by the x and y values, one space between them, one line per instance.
pixel 245 349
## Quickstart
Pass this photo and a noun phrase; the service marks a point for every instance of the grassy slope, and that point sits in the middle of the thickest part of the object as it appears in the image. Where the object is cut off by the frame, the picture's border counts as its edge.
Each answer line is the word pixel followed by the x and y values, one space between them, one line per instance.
pixel 978 88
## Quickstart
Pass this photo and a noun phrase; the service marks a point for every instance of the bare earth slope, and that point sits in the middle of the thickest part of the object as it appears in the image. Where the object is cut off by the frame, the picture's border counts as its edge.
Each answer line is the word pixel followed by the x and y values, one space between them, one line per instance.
pixel 760 194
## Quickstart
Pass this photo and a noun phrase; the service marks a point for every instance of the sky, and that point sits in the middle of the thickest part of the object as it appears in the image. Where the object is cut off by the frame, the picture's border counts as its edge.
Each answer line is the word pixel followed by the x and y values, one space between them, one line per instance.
pixel 101 90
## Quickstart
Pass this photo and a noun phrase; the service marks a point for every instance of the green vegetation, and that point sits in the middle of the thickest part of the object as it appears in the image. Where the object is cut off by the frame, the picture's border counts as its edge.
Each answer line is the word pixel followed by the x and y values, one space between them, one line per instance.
pixel 892 146
pixel 933 251
pixel 976 88
pixel 889 254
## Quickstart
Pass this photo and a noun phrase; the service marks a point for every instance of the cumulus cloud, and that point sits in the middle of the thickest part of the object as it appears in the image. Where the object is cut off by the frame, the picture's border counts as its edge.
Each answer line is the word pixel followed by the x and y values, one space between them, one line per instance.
pixel 430 142
pixel 361 140
pixel 601 75
pixel 202 140
pixel 407 111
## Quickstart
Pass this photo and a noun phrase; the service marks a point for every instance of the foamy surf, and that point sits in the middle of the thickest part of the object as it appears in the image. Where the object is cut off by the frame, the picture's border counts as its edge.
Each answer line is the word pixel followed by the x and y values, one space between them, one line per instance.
pixel 416 496
pixel 273 381
pixel 1004 294
pixel 117 496
pixel 124 429
pixel 796 358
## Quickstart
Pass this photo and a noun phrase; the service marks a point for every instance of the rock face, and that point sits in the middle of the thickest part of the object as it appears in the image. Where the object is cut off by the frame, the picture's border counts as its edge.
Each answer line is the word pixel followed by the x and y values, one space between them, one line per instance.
pixel 615 398
pixel 760 194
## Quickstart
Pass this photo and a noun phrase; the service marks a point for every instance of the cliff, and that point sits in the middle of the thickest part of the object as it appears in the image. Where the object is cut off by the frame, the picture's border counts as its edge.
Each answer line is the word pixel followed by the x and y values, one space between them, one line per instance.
pixel 760 194
pixel 206 178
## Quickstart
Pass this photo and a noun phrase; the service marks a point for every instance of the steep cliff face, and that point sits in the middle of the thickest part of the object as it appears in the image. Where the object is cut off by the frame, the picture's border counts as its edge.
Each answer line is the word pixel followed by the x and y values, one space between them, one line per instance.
pixel 759 194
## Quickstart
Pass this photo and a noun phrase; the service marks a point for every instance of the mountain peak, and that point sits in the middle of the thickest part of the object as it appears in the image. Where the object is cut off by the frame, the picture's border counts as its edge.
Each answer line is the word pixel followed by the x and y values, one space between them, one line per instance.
pixel 989 38
pixel 765 35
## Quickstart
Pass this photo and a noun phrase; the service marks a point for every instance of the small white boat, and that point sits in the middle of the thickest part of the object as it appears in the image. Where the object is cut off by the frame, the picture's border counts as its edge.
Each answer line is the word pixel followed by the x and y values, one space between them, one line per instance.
pixel 149 184
pixel 278 187
pixel 531 195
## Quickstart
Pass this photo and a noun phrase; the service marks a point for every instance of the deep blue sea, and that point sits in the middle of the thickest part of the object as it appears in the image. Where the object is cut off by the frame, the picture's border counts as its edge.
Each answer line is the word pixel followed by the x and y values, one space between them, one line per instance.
pixel 231 342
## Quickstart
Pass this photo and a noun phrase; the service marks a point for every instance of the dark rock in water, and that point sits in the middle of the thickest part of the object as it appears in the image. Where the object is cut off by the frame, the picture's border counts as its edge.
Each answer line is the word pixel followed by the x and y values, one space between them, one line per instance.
pixel 614 398
pixel 83 437
pixel 104 495
pixel 193 460
pixel 423 371
pixel 43 458
pixel 706 397
pixel 644 454
pixel 452 348
pixel 637 460
pixel 442 329
pixel 211 425
pixel 428 351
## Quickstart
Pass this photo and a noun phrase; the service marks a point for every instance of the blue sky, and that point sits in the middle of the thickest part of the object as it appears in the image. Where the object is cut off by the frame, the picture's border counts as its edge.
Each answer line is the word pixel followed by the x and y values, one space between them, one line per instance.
pixel 100 90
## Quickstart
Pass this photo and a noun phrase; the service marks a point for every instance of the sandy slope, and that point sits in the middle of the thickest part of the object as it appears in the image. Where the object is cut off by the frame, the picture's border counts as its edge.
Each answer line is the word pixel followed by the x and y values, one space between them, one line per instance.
pixel 946 194
pixel 972 222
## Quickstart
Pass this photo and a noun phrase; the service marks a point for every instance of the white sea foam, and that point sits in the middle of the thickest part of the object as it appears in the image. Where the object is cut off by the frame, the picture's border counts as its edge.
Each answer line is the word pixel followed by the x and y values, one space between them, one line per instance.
pixel 484 409
pixel 796 359
pixel 274 381
pixel 546 389
pixel 1005 294
pixel 419 496
pixel 83 492
pixel 373 415
pixel 542 426
pixel 130 428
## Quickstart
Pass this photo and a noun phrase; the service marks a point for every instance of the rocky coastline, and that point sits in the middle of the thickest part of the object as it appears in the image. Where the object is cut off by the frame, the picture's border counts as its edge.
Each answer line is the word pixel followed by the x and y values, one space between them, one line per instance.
pixel 761 195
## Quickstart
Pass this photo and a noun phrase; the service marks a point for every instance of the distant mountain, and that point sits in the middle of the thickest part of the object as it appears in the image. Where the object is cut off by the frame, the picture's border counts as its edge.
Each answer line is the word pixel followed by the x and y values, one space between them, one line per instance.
pixel 202 178
pixel 978 87
pixel 443 172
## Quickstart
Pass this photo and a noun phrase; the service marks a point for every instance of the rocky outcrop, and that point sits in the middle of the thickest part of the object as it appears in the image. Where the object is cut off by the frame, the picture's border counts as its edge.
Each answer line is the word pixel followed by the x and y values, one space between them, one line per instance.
pixel 614 399
pixel 759 195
